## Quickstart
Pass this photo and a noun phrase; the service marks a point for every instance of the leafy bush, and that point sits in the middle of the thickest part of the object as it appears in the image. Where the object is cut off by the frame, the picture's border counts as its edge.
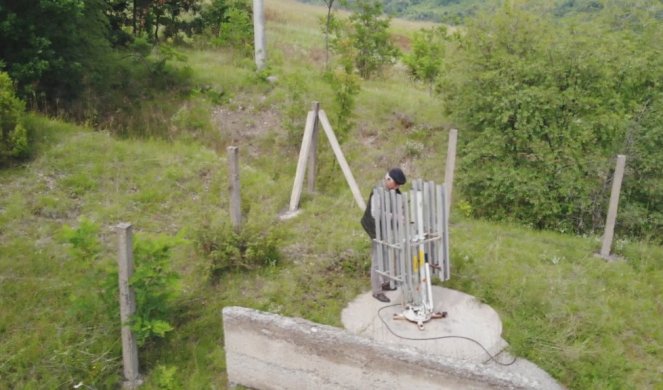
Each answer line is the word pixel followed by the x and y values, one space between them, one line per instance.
pixel 227 250
pixel 13 134
pixel 237 27
pixel 425 61
pixel 84 241
pixel 641 203
pixel 155 285
pixel 212 15
pixel 92 311
pixel 95 293
pixel 545 109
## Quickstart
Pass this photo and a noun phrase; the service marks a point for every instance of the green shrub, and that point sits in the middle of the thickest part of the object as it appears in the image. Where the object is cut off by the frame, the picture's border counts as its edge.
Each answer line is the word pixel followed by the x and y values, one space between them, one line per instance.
pixel 237 28
pixel 165 378
pixel 94 293
pixel 83 240
pixel 227 250
pixel 424 62
pixel 155 285
pixel 212 15
pixel 545 109
pixel 14 136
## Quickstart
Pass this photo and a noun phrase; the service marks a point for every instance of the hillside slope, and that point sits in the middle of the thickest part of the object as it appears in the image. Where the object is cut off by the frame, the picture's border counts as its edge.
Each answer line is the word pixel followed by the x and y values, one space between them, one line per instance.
pixel 589 323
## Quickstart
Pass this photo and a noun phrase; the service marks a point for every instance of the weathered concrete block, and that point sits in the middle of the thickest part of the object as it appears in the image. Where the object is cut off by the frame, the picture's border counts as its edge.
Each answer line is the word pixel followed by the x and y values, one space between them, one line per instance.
pixel 267 351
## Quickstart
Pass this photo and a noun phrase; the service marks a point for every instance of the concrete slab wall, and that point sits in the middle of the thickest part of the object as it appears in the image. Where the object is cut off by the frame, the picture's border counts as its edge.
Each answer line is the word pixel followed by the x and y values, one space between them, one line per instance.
pixel 267 351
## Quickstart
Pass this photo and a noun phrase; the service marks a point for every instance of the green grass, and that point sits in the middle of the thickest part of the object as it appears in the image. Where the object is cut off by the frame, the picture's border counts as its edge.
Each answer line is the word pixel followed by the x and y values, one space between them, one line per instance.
pixel 591 324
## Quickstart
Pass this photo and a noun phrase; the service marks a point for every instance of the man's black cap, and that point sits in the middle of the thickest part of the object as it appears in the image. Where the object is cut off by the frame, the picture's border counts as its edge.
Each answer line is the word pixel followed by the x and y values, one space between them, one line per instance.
pixel 398 176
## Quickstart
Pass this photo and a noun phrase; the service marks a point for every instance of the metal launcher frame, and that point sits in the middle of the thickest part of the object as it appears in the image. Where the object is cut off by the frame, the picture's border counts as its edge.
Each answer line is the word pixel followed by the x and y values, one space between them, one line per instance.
pixel 412 237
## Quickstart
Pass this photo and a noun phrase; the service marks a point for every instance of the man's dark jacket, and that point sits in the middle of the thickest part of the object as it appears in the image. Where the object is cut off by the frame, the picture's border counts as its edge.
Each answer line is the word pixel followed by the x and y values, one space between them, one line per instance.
pixel 367 220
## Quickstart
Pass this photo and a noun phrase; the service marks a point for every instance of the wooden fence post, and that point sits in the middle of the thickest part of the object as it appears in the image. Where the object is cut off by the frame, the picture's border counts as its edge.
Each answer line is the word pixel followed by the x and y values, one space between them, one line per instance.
pixel 259 34
pixel 235 198
pixel 127 307
pixel 301 163
pixel 313 151
pixel 612 208
pixel 451 165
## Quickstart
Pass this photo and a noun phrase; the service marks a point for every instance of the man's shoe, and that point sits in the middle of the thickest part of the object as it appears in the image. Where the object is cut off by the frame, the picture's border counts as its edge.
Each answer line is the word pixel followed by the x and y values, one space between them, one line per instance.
pixel 381 297
pixel 387 287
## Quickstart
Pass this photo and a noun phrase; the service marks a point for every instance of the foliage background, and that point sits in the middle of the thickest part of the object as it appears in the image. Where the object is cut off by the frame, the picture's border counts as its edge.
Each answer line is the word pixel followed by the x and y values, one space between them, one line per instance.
pixel 547 106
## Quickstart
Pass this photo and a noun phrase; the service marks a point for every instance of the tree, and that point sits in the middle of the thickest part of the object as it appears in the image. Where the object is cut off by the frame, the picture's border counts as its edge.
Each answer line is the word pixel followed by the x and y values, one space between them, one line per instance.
pixel 424 62
pixel 13 135
pixel 49 45
pixel 343 77
pixel 212 15
pixel 370 37
pixel 327 29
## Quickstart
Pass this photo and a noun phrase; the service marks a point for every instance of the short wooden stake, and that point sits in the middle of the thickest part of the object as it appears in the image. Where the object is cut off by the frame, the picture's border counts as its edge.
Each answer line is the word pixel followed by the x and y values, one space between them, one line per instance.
pixel 449 169
pixel 612 208
pixel 313 150
pixel 235 196
pixel 127 307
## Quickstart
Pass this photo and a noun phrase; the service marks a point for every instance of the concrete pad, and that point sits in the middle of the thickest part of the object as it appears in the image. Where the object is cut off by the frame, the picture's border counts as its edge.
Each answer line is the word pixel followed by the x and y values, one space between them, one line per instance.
pixel 468 326
pixel 471 331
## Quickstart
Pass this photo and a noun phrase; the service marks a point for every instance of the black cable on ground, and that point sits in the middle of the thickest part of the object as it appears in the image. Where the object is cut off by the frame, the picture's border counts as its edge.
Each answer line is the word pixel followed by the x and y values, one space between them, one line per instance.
pixel 491 357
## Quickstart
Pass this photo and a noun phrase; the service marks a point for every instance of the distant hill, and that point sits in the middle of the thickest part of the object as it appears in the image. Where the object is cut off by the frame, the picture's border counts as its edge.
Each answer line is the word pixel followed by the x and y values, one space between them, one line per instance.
pixel 454 12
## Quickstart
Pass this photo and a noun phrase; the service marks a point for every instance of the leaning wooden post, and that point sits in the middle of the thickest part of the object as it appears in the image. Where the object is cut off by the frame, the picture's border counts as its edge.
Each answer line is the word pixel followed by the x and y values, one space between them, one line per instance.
pixel 127 307
pixel 329 132
pixel 612 208
pixel 313 150
pixel 301 164
pixel 451 165
pixel 235 198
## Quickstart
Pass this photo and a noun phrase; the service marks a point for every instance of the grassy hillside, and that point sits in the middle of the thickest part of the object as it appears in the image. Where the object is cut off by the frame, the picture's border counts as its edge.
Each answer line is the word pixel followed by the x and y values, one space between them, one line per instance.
pixel 591 324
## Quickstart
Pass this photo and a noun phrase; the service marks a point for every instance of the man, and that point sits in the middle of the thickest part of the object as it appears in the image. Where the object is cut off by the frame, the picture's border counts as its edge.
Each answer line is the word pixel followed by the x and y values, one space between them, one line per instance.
pixel 392 181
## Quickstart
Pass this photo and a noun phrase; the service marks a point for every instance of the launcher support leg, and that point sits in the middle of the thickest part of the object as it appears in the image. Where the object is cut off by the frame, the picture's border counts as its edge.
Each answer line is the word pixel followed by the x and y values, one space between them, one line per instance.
pixel 418 315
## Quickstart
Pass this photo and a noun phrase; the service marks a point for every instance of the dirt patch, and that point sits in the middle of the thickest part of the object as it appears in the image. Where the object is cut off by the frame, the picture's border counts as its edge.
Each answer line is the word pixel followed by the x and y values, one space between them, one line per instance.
pixel 245 125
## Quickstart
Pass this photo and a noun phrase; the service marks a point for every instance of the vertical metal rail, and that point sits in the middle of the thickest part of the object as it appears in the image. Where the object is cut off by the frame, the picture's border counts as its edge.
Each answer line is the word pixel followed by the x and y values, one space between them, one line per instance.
pixel 412 242
pixel 444 229
pixel 377 210
pixel 406 257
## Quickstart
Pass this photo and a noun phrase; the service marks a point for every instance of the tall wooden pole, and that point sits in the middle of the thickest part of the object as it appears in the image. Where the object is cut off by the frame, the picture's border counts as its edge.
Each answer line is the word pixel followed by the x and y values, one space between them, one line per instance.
pixel 235 196
pixel 301 163
pixel 612 208
pixel 450 167
pixel 259 33
pixel 127 306
pixel 313 150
